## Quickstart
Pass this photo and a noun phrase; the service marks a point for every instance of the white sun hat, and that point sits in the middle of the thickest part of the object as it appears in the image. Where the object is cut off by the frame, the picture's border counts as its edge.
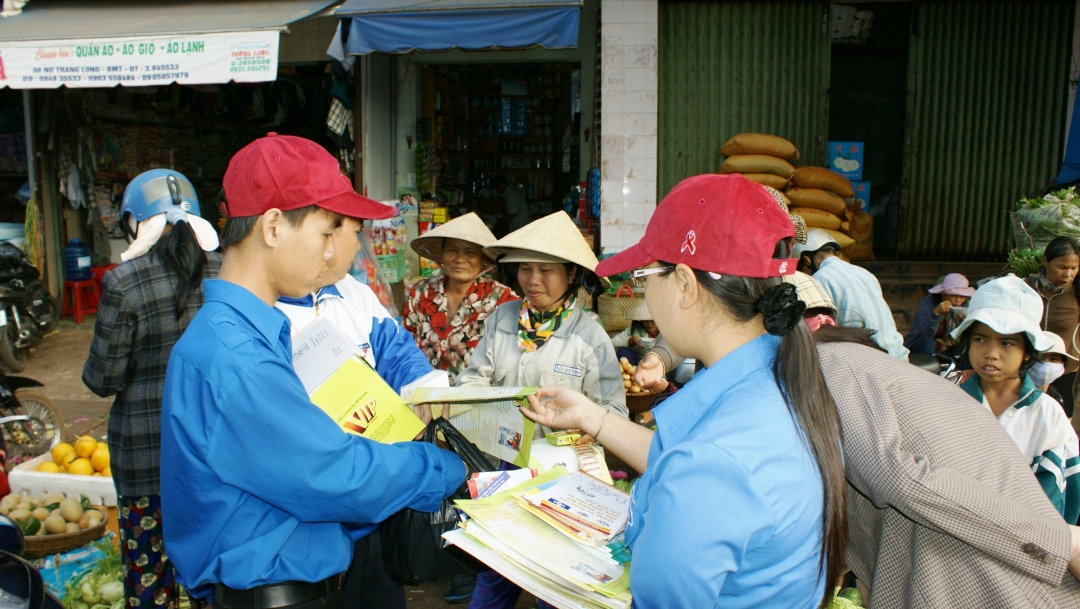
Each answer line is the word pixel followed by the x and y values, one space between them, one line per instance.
pixel 1059 346
pixel 1007 305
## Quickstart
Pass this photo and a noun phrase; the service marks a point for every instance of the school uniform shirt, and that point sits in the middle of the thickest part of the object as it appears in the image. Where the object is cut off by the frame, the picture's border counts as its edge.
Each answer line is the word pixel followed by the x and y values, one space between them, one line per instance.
pixel 578 355
pixel 728 512
pixel 857 295
pixel 1039 427
pixel 258 485
pixel 356 312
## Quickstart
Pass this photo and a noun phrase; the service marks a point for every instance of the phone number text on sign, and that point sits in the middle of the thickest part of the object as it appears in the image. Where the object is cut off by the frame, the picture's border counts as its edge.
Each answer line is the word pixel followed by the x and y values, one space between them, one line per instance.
pixel 143 61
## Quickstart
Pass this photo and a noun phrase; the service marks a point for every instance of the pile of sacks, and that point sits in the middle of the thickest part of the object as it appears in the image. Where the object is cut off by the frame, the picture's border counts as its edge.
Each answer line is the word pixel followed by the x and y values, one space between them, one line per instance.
pixel 822 197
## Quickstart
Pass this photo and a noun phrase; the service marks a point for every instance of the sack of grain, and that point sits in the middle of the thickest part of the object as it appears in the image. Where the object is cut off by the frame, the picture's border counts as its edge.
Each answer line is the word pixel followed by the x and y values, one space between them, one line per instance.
pixel 817 198
pixel 844 241
pixel 816 218
pixel 757 163
pixel 861 230
pixel 768 179
pixel 826 179
pixel 760 143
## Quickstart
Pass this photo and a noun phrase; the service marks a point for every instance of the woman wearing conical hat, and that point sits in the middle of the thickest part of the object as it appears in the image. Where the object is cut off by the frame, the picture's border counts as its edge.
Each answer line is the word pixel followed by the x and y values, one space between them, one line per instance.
pixel 446 313
pixel 545 340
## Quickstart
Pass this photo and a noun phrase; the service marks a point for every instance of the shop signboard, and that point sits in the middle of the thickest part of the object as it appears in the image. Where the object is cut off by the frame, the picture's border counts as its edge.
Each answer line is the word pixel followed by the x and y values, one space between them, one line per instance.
pixel 210 58
pixel 846 158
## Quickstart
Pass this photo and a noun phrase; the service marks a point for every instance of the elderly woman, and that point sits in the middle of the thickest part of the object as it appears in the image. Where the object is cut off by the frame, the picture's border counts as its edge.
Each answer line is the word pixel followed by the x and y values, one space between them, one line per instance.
pixel 547 340
pixel 446 313
pixel 1060 292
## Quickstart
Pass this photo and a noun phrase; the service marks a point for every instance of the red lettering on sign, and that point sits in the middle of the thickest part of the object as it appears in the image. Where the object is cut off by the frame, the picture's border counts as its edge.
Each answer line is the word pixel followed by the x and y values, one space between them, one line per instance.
pixel 3 76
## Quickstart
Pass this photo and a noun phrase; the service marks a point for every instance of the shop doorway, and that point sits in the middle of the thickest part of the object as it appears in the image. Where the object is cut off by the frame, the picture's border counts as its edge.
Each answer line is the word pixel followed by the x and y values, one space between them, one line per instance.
pixel 488 128
pixel 867 103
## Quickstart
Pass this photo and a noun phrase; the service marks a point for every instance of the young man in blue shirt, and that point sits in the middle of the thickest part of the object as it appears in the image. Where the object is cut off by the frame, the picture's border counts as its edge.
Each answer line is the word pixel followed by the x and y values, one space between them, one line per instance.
pixel 264 492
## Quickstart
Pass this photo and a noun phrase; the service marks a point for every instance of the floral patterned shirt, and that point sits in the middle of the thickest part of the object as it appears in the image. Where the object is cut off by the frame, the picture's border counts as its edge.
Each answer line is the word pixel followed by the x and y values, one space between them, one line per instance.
pixel 447 341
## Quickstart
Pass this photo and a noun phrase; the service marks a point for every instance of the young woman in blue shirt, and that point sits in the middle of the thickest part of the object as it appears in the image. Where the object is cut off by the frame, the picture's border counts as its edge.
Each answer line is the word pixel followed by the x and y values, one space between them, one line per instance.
pixel 741 499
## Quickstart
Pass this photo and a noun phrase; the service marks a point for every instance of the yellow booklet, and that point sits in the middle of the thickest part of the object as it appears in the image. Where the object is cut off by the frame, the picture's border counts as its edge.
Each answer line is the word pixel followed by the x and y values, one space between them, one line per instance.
pixel 348 389
pixel 361 403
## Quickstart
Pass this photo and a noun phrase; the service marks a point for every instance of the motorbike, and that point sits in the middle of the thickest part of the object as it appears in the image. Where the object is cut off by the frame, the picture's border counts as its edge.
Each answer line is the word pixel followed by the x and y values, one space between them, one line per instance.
pixel 945 366
pixel 27 311
pixel 30 422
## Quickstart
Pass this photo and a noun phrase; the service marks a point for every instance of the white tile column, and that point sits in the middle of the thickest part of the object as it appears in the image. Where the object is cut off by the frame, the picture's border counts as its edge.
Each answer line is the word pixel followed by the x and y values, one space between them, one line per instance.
pixel 628 109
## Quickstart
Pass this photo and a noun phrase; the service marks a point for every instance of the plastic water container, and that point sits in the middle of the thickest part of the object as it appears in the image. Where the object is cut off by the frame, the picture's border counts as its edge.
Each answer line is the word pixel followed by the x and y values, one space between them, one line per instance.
pixel 77 261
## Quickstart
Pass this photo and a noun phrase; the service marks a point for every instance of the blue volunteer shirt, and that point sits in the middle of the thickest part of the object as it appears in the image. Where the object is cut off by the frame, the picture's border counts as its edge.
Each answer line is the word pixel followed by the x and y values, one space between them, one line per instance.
pixel 728 513
pixel 258 485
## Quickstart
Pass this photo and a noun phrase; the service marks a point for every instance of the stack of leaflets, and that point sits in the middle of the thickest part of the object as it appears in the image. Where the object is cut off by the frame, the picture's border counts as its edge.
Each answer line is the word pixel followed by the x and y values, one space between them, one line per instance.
pixel 346 388
pixel 580 506
pixel 492 421
pixel 557 535
pixel 486 484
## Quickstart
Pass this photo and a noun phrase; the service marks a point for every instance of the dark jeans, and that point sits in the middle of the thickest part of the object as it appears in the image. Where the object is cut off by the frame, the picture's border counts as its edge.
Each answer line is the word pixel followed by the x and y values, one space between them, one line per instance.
pixel 367 586
pixel 1064 386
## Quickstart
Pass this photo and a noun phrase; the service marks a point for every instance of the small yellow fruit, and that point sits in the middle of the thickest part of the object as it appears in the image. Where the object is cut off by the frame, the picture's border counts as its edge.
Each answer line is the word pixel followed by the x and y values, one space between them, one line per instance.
pixel 60 450
pixel 49 467
pixel 80 467
pixel 65 459
pixel 107 472
pixel 100 458
pixel 85 446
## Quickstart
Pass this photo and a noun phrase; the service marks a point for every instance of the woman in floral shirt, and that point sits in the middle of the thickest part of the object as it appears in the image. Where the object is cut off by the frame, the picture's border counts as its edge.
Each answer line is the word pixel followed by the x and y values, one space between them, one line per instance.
pixel 446 313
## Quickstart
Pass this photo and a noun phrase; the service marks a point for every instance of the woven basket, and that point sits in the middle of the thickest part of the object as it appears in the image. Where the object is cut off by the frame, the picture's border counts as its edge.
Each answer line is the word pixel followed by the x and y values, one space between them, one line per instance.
pixel 614 309
pixel 640 402
pixel 47 545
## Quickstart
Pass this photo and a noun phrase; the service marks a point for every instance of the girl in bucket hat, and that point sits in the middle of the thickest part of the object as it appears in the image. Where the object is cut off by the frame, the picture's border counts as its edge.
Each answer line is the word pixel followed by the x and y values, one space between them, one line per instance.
pixel 446 313
pixel 756 434
pixel 546 340
pixel 935 317
pixel 1000 339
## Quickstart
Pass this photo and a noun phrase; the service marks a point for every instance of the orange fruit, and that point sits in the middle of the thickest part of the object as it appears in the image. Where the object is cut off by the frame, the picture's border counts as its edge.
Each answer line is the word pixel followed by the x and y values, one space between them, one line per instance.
pixel 60 450
pixel 85 446
pixel 100 458
pixel 107 472
pixel 49 467
pixel 80 467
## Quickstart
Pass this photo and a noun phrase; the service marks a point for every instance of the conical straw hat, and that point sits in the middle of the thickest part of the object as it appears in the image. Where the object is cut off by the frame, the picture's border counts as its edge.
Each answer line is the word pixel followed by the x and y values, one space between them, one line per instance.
pixel 641 313
pixel 466 228
pixel 553 238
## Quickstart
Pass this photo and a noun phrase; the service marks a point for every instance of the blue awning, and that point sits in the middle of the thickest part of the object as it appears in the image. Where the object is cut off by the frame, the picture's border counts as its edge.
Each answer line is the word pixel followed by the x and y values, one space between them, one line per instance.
pixel 396 26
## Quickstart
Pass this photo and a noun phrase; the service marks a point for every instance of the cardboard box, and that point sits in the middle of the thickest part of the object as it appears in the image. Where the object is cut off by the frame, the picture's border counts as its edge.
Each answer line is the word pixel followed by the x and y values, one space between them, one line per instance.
pixel 846 158
pixel 393 267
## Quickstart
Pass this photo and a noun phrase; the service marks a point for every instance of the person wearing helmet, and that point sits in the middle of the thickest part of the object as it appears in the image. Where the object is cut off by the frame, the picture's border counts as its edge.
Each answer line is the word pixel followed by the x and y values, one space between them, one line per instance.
pixel 855 290
pixel 146 304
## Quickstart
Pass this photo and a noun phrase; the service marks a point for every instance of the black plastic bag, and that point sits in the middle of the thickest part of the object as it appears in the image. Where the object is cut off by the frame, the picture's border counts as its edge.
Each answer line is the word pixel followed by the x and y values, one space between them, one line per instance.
pixel 412 541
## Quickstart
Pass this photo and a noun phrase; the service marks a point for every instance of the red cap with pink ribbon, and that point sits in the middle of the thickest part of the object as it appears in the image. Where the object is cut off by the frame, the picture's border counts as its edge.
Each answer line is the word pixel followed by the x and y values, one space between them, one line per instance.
pixel 723 224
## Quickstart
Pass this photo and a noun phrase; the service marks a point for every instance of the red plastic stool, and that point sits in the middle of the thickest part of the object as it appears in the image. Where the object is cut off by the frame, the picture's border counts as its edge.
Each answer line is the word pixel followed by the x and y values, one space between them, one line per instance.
pixel 99 277
pixel 80 298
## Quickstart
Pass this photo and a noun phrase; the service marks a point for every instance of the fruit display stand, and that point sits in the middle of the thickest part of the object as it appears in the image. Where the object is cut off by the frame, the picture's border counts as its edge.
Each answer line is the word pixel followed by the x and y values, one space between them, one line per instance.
pixel 41 546
pixel 98 489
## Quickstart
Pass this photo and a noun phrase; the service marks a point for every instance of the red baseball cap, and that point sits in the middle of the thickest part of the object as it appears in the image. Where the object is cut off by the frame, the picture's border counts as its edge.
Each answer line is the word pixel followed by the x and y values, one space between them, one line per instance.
pixel 287 172
pixel 722 224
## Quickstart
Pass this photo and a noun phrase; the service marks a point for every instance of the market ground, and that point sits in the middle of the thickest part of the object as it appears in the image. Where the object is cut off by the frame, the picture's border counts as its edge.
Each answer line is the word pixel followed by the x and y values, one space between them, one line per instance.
pixel 58 362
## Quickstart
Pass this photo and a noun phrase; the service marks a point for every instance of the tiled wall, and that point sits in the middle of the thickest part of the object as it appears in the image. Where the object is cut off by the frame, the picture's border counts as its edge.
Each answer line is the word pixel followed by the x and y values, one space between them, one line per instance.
pixel 628 120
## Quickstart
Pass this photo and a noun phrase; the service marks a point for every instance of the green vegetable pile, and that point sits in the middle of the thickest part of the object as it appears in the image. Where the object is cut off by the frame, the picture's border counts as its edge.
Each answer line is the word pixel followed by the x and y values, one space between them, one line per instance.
pixel 623 484
pixel 1025 262
pixel 1036 222
pixel 102 587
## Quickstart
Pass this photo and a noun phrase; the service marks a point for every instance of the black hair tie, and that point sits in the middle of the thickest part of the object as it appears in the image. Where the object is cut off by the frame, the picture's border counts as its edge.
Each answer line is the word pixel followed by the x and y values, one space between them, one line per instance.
pixel 781 308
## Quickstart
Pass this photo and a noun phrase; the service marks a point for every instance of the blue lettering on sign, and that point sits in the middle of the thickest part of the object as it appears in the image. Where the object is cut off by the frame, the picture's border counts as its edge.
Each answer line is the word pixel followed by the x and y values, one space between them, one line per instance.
pixel 568 370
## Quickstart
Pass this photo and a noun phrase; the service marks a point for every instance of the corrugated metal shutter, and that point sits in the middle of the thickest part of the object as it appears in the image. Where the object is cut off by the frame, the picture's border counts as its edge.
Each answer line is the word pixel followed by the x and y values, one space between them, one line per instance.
pixel 987 88
pixel 728 68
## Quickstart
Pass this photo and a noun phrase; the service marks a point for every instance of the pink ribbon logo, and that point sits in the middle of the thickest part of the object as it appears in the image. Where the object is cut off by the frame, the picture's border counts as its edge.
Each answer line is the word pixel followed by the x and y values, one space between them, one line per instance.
pixel 691 237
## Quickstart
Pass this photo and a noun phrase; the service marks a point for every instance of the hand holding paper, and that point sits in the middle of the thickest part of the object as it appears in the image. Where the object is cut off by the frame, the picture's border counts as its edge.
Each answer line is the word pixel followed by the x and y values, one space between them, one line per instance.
pixel 563 408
